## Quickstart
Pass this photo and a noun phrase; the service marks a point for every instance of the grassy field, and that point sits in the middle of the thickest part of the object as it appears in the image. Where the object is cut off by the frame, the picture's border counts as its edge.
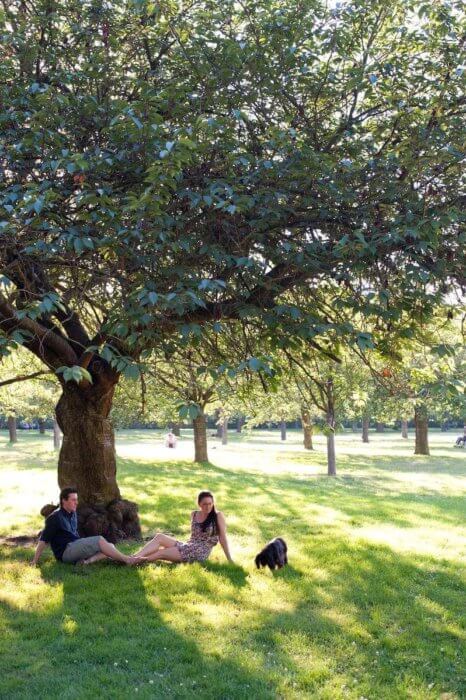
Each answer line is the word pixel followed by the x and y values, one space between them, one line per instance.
pixel 371 606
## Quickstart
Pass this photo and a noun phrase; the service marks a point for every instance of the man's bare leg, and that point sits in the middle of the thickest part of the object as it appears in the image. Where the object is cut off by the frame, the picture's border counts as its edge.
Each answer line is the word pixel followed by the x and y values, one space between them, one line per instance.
pixel 93 559
pixel 109 550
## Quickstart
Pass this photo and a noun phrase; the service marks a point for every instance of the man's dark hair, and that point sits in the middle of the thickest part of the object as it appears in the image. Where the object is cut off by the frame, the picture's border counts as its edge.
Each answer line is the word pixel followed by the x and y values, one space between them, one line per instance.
pixel 64 493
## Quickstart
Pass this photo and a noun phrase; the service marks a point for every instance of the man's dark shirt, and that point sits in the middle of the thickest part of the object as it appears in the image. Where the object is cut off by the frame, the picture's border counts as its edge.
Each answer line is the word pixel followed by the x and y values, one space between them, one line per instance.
pixel 60 529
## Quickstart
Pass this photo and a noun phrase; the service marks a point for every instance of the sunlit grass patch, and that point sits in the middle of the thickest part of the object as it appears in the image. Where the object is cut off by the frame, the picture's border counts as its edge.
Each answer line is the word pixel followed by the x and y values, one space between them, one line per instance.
pixel 371 604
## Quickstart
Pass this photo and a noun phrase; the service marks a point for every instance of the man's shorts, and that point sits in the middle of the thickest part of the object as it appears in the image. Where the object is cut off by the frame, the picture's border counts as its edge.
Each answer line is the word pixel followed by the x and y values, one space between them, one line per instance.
pixel 83 548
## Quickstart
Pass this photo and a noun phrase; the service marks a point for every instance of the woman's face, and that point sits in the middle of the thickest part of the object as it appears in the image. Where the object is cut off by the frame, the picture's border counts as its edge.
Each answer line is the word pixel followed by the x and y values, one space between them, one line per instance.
pixel 206 505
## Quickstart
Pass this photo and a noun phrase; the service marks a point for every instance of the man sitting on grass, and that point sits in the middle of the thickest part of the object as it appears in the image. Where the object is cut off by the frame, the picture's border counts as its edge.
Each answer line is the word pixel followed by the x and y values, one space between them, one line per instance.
pixel 61 532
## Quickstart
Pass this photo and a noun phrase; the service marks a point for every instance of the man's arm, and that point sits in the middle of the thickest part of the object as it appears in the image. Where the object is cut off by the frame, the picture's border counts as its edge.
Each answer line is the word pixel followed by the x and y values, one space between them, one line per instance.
pixel 39 549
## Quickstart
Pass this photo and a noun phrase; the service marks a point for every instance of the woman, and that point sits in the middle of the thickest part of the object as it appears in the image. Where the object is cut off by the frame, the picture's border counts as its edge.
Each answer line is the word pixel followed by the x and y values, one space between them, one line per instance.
pixel 207 529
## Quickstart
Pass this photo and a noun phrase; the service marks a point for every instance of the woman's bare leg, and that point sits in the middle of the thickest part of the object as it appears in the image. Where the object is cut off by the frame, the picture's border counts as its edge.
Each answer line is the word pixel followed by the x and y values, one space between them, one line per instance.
pixel 160 540
pixel 168 554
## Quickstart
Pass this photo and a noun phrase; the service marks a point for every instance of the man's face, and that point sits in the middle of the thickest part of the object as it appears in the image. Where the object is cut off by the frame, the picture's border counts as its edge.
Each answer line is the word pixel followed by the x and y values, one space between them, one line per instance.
pixel 71 503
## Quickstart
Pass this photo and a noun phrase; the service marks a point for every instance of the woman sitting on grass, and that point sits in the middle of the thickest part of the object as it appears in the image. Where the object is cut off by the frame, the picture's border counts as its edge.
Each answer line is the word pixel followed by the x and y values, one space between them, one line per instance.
pixel 207 529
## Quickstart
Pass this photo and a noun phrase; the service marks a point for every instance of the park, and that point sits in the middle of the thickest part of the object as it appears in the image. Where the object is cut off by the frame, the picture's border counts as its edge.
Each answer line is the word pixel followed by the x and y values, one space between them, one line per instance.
pixel 232 333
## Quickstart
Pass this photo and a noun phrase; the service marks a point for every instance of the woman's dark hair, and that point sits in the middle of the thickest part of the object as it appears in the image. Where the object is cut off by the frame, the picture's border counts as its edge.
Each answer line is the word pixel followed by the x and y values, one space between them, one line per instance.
pixel 212 517
pixel 65 493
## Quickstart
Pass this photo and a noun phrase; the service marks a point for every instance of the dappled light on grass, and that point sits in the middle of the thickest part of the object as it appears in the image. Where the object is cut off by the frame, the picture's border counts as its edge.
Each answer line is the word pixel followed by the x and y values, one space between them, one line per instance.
pixel 371 605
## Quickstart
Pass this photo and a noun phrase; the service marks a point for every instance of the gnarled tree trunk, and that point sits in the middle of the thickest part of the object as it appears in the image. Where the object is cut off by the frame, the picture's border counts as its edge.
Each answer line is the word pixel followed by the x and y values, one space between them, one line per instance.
pixel 12 429
pixel 87 457
pixel 200 438
pixel 365 429
pixel 421 423
pixel 307 429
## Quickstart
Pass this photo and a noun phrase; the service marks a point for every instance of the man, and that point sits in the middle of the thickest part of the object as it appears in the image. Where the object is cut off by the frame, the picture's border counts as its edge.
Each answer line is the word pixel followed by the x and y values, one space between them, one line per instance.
pixel 61 532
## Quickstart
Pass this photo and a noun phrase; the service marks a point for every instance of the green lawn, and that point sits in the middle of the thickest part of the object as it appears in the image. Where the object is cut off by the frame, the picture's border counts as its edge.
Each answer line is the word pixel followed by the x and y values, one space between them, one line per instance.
pixel 371 606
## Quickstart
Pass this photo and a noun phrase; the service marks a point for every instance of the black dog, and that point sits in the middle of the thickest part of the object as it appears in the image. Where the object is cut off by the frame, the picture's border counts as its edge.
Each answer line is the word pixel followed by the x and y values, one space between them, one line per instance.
pixel 274 555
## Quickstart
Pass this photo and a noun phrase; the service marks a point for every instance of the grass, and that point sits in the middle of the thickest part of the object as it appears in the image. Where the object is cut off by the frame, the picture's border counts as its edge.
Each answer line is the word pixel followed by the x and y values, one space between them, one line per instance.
pixel 371 606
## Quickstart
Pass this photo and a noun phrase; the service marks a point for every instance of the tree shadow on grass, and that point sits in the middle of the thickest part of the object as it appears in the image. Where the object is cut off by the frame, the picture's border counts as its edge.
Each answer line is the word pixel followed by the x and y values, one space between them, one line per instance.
pixel 102 634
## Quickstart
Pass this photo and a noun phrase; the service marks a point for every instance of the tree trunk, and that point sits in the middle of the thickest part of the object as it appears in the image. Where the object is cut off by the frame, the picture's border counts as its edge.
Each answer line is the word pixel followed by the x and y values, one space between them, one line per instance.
pixel 56 435
pixel 176 429
pixel 225 430
pixel 331 458
pixel 200 439
pixel 365 429
pixel 421 423
pixel 404 429
pixel 87 457
pixel 12 428
pixel 218 422
pixel 41 423
pixel 379 427
pixel 307 429
pixel 239 424
pixel 355 426
pixel 283 429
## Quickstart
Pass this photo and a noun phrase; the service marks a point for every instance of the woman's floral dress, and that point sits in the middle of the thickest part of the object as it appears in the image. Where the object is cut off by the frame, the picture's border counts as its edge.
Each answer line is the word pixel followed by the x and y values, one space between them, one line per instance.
pixel 200 544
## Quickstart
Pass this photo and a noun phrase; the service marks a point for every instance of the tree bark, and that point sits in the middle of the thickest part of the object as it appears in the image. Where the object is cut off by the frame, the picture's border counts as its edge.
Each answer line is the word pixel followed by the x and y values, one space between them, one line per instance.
pixel 200 438
pixel 283 429
pixel 379 427
pixel 404 428
pixel 331 458
pixel 87 457
pixel 365 429
pixel 239 424
pixel 218 422
pixel 421 423
pixel 41 423
pixel 225 430
pixel 56 435
pixel 307 429
pixel 12 429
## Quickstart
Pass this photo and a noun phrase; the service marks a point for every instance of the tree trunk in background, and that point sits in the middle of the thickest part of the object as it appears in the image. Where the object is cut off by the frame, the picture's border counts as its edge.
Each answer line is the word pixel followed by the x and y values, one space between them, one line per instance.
pixel 87 457
pixel 41 423
pixel 421 423
pixel 200 438
pixel 56 435
pixel 176 429
pixel 355 426
pixel 404 429
pixel 283 429
pixel 239 424
pixel 12 428
pixel 365 429
pixel 330 417
pixel 218 422
pixel 307 429
pixel 379 427
pixel 225 430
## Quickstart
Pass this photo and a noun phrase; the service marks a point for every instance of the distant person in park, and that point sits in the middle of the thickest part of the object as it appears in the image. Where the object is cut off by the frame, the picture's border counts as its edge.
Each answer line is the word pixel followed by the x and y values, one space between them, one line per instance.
pixel 61 533
pixel 207 529
pixel 171 440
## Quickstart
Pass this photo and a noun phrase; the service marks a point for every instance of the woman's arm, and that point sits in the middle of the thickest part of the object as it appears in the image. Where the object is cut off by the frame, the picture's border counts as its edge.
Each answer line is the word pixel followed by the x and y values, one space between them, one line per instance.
pixel 222 535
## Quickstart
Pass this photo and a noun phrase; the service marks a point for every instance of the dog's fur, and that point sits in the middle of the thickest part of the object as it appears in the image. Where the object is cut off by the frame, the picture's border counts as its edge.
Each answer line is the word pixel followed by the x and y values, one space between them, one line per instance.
pixel 274 555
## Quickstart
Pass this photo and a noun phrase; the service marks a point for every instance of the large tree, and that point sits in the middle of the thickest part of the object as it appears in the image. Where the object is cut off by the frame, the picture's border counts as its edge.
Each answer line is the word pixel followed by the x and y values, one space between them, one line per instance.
pixel 172 165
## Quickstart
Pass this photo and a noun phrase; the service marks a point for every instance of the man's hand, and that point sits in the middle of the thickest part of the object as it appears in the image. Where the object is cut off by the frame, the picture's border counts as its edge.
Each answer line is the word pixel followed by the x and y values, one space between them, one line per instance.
pixel 39 549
